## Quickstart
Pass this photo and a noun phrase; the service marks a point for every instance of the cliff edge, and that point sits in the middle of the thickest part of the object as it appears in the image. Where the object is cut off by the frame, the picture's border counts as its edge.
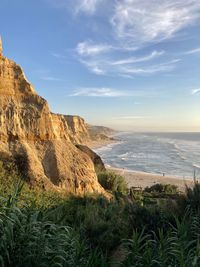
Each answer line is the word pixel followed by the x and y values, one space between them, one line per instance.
pixel 45 140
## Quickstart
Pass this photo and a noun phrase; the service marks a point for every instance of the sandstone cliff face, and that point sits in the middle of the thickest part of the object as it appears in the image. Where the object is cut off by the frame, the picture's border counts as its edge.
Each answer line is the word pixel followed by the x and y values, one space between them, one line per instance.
pixel 72 128
pixel 97 161
pixel 46 140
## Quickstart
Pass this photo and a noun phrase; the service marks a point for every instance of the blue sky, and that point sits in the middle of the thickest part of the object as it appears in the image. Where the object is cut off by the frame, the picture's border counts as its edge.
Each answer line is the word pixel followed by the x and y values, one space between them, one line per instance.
pixel 127 64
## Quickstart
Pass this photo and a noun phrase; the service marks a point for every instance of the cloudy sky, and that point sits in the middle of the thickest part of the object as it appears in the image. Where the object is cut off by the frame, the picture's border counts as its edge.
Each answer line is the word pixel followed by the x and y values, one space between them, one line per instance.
pixel 127 64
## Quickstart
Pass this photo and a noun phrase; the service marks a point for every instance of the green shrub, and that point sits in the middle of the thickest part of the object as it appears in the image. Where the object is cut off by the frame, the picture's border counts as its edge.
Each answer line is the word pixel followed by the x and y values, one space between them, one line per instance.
pixel 103 223
pixel 113 182
pixel 162 188
pixel 192 196
pixel 136 196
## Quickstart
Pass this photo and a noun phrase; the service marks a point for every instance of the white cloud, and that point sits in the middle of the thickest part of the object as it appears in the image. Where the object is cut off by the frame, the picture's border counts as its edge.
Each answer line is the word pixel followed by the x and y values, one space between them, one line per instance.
pixel 99 92
pixel 131 60
pixel 164 67
pixel 97 59
pixel 127 67
pixel 136 21
pixel 94 66
pixel 102 59
pixel 88 48
pixel 132 25
pixel 193 51
pixel 87 6
pixel 196 91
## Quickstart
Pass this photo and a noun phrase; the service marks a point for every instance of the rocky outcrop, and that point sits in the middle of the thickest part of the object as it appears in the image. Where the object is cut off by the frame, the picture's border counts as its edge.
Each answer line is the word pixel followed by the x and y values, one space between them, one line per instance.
pixel 97 161
pixel 100 133
pixel 73 127
pixel 45 140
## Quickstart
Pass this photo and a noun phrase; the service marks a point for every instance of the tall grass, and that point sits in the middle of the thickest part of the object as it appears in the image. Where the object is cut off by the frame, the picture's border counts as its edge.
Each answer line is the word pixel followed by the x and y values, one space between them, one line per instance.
pixel 40 228
pixel 27 238
pixel 179 246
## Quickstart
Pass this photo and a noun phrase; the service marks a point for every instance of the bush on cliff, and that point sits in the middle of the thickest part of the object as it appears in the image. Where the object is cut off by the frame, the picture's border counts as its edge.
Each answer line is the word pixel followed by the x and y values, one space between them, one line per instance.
pixel 113 182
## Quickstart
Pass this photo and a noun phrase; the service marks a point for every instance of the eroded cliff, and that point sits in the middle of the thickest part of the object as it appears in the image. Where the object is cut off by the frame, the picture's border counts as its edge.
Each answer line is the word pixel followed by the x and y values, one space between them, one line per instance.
pixel 44 139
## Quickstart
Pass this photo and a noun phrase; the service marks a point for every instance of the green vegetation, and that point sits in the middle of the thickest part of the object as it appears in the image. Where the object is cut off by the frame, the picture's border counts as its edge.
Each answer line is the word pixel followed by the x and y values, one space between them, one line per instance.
pixel 162 188
pixel 113 182
pixel 155 227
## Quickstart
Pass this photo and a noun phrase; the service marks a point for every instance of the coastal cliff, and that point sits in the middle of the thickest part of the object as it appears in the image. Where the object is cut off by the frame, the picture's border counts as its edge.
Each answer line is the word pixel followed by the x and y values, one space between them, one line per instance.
pixel 45 140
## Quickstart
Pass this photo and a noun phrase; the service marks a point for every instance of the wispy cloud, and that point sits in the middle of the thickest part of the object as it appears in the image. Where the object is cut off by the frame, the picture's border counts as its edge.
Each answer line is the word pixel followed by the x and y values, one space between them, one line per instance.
pixel 97 60
pixel 77 7
pixel 193 51
pixel 112 92
pixel 131 117
pixel 88 48
pixel 132 26
pixel 127 67
pixel 131 60
pixel 87 6
pixel 196 91
pixel 94 66
pixel 59 56
pixel 99 92
pixel 50 78
pixel 136 21
pixel 163 67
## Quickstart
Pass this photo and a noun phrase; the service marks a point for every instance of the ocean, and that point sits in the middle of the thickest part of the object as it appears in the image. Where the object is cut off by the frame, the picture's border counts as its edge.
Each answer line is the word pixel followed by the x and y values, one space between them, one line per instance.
pixel 176 154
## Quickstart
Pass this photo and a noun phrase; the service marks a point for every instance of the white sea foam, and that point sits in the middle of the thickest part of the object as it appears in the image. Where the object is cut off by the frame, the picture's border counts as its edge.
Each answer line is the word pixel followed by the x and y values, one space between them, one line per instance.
pixel 124 159
pixel 123 155
pixel 181 156
pixel 107 147
pixel 154 153
pixel 196 166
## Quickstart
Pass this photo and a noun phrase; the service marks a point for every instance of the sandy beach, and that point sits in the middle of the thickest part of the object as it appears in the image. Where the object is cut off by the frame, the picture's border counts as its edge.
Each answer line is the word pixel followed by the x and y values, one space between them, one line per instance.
pixel 143 179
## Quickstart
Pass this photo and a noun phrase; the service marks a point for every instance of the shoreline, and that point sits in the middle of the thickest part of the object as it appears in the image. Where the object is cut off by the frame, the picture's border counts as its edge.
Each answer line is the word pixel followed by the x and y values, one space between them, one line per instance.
pixel 141 179
pixel 101 143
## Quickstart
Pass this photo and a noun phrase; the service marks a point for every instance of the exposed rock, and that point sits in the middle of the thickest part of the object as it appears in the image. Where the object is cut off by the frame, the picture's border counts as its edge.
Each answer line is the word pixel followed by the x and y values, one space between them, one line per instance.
pixel 98 133
pixel 46 140
pixel 78 129
pixel 98 163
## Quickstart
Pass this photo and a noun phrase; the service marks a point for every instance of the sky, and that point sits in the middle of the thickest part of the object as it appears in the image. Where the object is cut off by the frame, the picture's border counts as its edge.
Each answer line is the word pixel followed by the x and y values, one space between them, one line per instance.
pixel 127 64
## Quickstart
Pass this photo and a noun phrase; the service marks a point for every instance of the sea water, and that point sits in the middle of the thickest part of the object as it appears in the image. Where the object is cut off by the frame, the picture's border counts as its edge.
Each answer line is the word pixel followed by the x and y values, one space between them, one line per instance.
pixel 162 153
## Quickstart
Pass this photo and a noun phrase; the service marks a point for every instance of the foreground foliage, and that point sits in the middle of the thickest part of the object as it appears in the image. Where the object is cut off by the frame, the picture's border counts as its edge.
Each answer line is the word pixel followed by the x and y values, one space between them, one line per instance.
pixel 158 227
pixel 28 238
